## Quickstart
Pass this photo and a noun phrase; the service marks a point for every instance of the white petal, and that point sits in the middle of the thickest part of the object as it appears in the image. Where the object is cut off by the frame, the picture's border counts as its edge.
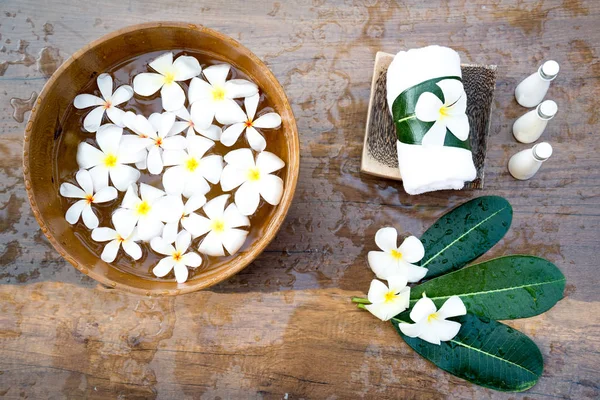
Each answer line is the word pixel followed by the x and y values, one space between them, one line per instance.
pixel 191 259
pixel 216 74
pixel 453 89
pixel 163 64
pixel 103 234
pixel 458 125
pixel 148 83
pixel 155 120
pixel 271 189
pixel 446 330
pixel 143 126
pixel 250 104
pixel 428 107
pixel 122 176
pixel 383 264
pixel 436 135
pixel 73 213
pixel 385 311
pixel 233 240
pixel 229 112
pixel 163 267
pixel 149 193
pixel 268 121
pixel 148 228
pixel 183 114
pixel 212 245
pixel 99 176
pixel 196 224
pixel 231 178
pixel 108 138
pixel 211 167
pixel 69 190
pixel 198 145
pixel 174 143
pixel 233 218
pixel 87 100
pixel 412 272
pixel 124 222
pixel 131 198
pixel 422 309
pixel 175 157
pixel 397 283
pixel 255 139
pixel 182 242
pixel 162 246
pixel 167 120
pixel 213 132
pixel 459 107
pixel 121 95
pixel 110 251
pixel 133 249
pixel 179 126
pixel 377 292
pixel 89 218
pixel 105 84
pixel 429 333
pixel 154 161
pixel 169 233
pixel 169 208
pixel 199 89
pixel 247 198
pixel 412 249
pixel 92 121
pixel 88 156
pixel 268 162
pixel 453 307
pixel 194 203
pixel 203 113
pixel 181 272
pixel 85 181
pixel 116 116
pixel 232 133
pixel 236 88
pixel 133 149
pixel 242 159
pixel 173 96
pixel 410 330
pixel 186 67
pixel 173 180
pixel 386 238
pixel 195 185
pixel 216 207
pixel 105 194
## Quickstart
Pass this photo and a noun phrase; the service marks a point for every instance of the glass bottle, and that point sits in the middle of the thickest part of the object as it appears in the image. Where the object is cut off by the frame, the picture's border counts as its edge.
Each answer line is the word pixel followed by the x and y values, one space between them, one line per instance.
pixel 526 163
pixel 531 91
pixel 529 127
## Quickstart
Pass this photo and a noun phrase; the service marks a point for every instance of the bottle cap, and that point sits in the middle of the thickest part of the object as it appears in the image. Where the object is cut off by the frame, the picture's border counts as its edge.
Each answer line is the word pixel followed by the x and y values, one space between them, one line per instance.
pixel 542 151
pixel 549 69
pixel 547 109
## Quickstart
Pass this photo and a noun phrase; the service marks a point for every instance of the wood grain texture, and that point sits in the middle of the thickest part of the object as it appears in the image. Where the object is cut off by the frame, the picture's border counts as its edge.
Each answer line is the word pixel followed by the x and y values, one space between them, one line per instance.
pixel 285 324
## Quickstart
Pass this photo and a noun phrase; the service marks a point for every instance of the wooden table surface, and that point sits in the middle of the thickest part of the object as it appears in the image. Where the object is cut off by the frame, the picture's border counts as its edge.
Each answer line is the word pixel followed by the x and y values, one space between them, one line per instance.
pixel 284 327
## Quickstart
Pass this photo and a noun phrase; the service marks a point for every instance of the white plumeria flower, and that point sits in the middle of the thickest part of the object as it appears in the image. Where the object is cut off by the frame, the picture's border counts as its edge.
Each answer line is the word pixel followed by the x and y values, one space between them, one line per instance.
pixel 115 241
pixel 191 169
pixel 213 132
pixel 255 178
pixel 221 226
pixel 387 302
pixel 87 195
pixel 107 104
pixel 255 139
pixel 155 133
pixel 147 213
pixel 214 99
pixel 115 151
pixel 431 325
pixel 451 113
pixel 177 258
pixel 171 230
pixel 394 260
pixel 169 73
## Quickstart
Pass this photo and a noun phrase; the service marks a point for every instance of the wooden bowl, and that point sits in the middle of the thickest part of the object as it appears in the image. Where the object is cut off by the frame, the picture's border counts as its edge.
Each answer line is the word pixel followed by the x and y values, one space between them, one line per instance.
pixel 44 128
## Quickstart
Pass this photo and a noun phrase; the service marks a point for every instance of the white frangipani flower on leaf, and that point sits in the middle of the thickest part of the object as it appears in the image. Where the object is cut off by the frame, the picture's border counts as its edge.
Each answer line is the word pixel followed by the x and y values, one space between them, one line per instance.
pixel 177 259
pixel 394 260
pixel 147 211
pixel 214 99
pixel 171 229
pixel 450 113
pixel 221 225
pixel 169 73
pixel 115 151
pixel 255 178
pixel 87 195
pixel 154 133
pixel 432 325
pixel 387 302
pixel 213 132
pixel 255 139
pixel 191 169
pixel 107 104
pixel 115 241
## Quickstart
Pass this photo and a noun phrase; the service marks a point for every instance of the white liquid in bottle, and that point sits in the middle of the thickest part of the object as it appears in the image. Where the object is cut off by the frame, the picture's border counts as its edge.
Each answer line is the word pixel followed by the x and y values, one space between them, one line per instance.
pixel 529 127
pixel 532 90
pixel 526 163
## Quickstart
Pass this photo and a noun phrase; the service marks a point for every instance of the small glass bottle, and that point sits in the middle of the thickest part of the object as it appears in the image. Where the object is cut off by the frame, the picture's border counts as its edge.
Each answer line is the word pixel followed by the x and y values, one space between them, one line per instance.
pixel 526 163
pixel 529 127
pixel 531 91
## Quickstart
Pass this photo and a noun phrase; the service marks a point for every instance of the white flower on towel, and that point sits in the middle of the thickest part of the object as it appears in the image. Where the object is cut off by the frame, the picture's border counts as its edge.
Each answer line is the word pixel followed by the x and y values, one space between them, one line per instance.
pixel 394 260
pixel 450 113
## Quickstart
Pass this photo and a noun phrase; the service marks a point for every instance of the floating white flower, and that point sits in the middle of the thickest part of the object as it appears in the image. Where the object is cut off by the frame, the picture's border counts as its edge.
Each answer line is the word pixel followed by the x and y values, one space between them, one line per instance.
pixel 155 132
pixel 115 151
pixel 107 104
pixel 431 325
pixel 214 99
pixel 213 132
pixel 387 302
pixel 395 260
pixel 87 195
pixel 255 178
pixel 177 258
pixel 221 226
pixel 191 169
pixel 171 229
pixel 255 139
pixel 451 113
pixel 169 73
pixel 115 241
pixel 147 213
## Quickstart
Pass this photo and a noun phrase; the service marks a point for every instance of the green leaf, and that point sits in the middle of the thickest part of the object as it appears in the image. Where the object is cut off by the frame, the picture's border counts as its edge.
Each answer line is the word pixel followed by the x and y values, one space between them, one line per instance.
pixel 486 353
pixel 464 234
pixel 508 287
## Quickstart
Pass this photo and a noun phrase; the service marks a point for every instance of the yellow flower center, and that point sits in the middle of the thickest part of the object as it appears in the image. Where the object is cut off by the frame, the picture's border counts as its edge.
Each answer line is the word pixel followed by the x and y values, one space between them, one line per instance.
pixel 218 226
pixel 218 94
pixel 107 105
pixel 89 198
pixel 396 254
pixel 191 164
pixel 143 208
pixel 389 297
pixel 110 160
pixel 248 123
pixel 253 174
pixel 158 141
pixel 120 239
pixel 169 78
pixel 432 317
pixel 177 256
pixel 444 111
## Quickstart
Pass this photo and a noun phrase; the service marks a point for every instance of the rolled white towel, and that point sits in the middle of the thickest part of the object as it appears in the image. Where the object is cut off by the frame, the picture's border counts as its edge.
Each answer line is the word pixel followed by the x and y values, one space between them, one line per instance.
pixel 428 104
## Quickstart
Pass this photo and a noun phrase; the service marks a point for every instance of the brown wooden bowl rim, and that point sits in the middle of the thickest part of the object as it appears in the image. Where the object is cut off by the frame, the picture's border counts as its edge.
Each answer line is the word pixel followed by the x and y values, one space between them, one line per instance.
pixel 293 163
